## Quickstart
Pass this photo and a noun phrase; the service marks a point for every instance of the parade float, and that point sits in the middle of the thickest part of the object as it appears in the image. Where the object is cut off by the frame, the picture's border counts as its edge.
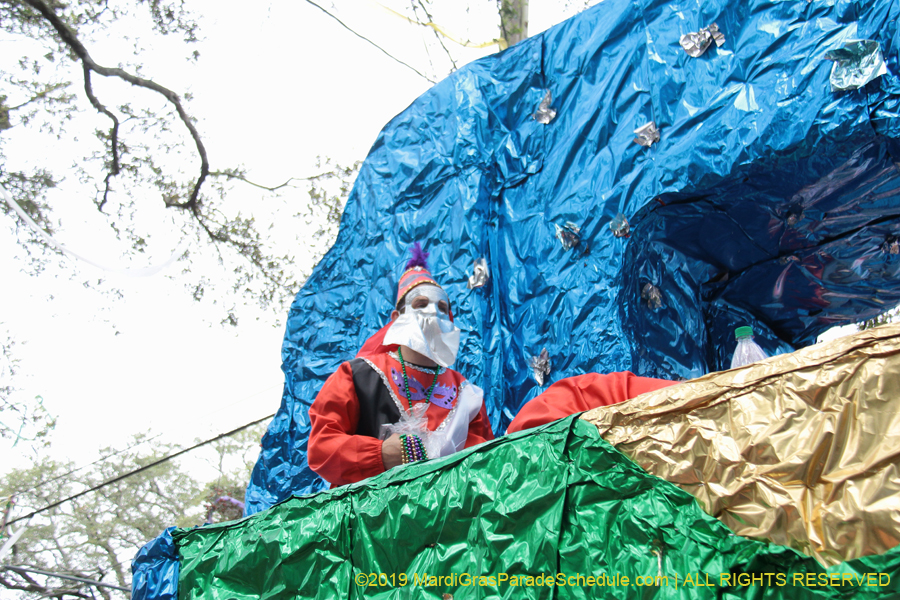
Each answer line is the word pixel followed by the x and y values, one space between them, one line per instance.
pixel 618 193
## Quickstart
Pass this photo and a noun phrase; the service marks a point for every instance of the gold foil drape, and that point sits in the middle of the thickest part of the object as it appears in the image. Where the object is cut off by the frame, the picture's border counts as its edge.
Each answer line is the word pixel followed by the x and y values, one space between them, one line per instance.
pixel 801 449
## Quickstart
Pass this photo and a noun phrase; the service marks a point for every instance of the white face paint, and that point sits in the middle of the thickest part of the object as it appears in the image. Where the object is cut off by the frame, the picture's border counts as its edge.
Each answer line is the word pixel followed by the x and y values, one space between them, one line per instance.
pixel 429 300
pixel 425 325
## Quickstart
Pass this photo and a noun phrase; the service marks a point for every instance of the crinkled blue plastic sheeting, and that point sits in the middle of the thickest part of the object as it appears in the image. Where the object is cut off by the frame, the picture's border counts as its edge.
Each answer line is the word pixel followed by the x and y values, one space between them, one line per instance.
pixel 769 201
pixel 154 570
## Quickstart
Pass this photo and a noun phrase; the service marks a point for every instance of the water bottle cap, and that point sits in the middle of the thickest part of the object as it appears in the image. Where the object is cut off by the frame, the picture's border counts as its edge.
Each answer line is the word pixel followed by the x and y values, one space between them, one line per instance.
pixel 743 332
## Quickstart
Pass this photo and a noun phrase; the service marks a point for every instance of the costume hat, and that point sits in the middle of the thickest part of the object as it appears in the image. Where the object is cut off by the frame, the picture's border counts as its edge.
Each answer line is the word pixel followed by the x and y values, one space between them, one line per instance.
pixel 415 273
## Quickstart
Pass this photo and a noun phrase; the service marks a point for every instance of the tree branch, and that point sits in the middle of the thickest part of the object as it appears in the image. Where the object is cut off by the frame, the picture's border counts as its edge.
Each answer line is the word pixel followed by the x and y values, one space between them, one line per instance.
pixel 113 134
pixel 39 96
pixel 437 35
pixel 248 251
pixel 32 583
pixel 117 567
pixel 33 586
pixel 233 174
pixel 70 39
pixel 229 174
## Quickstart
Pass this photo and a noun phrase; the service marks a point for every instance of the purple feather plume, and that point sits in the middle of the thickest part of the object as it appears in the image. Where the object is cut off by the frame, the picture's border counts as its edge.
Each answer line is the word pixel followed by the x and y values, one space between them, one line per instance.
pixel 419 258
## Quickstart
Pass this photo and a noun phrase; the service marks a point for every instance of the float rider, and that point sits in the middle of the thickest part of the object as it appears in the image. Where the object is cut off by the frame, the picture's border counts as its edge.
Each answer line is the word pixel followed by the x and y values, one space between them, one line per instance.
pixel 398 401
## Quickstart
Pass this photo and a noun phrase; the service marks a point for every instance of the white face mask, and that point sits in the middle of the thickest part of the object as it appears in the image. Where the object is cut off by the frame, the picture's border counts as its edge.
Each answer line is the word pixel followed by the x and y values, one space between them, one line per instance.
pixel 426 328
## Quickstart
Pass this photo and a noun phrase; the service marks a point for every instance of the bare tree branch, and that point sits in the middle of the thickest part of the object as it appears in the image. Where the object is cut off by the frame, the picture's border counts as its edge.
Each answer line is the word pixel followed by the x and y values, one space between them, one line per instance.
pixel 125 160
pixel 235 174
pixel 439 37
pixel 113 134
pixel 71 40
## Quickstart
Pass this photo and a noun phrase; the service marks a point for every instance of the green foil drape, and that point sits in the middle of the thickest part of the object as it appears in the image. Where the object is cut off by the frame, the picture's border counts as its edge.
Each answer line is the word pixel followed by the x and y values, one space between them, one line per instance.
pixel 555 503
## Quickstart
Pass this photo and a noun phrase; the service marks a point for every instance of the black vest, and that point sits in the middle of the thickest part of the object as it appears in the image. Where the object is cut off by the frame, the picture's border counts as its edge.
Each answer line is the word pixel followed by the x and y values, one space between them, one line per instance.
pixel 376 406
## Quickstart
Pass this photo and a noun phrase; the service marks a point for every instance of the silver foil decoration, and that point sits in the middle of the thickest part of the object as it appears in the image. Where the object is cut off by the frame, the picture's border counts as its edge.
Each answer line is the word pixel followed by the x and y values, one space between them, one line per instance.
pixel 619 226
pixel 717 35
pixel 695 44
pixel 855 65
pixel 480 274
pixel 646 134
pixel 651 294
pixel 540 366
pixel 544 114
pixel 793 214
pixel 569 236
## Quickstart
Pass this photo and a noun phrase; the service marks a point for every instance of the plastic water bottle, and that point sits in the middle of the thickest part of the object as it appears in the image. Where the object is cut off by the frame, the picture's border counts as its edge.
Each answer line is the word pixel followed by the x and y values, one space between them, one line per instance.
pixel 747 350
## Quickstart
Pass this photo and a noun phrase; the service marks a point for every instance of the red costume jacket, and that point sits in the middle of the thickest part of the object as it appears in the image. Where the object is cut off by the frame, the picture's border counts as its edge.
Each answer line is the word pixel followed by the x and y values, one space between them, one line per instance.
pixel 364 394
pixel 580 393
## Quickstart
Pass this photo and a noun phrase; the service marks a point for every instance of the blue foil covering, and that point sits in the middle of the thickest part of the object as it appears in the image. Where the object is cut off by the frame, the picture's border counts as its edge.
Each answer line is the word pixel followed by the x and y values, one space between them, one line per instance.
pixel 154 570
pixel 767 201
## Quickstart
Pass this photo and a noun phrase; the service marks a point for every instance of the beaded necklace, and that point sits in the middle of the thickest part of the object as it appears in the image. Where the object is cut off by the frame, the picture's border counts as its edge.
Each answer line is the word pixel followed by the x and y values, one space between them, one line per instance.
pixel 406 380
pixel 412 449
